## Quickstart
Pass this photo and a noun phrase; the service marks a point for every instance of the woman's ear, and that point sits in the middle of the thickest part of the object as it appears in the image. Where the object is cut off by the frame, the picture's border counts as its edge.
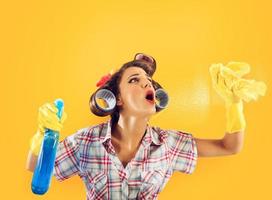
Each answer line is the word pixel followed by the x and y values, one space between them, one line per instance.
pixel 119 101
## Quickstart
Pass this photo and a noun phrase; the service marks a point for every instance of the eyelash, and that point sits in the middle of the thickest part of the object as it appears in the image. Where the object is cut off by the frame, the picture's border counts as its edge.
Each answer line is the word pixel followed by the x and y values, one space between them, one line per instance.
pixel 138 80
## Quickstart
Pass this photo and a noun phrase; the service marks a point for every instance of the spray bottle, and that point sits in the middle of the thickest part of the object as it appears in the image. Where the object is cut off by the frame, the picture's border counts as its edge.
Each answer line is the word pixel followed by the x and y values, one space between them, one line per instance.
pixel 45 164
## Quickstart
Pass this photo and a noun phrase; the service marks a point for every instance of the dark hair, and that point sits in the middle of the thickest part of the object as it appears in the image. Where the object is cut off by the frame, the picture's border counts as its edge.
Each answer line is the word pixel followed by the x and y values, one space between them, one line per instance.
pixel 113 83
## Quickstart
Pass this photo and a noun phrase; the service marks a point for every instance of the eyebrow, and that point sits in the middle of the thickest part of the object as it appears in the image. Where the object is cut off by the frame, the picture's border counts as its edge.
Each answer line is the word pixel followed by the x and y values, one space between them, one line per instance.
pixel 138 75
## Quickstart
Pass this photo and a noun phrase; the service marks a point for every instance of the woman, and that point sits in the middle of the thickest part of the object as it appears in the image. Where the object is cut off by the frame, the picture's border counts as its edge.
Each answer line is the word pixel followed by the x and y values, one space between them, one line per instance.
pixel 125 157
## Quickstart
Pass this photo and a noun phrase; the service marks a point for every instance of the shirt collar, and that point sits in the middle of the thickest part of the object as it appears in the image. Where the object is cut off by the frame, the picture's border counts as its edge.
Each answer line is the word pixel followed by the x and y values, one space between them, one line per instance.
pixel 106 131
pixel 153 134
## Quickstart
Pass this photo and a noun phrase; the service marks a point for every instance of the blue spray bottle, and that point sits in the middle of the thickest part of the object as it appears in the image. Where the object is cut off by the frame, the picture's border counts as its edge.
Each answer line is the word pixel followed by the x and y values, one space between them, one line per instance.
pixel 43 172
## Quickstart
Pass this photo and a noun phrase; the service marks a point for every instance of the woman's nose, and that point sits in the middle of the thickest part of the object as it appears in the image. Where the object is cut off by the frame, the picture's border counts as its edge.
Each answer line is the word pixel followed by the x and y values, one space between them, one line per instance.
pixel 146 84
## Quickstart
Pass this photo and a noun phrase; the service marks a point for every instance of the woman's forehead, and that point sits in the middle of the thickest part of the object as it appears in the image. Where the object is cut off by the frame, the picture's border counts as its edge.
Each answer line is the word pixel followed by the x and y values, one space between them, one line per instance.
pixel 133 70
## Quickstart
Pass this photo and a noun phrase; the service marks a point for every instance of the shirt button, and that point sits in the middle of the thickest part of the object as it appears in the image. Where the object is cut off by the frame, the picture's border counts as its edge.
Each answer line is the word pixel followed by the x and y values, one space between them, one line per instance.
pixel 124 189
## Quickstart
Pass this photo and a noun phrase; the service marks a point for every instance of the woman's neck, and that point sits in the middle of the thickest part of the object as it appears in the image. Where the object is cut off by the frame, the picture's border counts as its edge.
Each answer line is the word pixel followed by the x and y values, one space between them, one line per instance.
pixel 130 130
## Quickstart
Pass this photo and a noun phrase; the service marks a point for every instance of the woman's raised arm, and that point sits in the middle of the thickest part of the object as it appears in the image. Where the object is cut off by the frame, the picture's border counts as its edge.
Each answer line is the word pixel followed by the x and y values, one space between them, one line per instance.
pixel 228 145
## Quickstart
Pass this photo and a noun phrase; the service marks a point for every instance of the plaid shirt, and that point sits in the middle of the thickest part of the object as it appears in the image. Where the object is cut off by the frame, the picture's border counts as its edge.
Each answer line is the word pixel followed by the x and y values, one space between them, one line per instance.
pixel 90 154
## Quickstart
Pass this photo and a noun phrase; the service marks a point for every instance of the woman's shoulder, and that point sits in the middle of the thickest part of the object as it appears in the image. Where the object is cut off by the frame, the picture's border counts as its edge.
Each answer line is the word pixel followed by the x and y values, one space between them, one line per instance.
pixel 88 133
pixel 168 131
pixel 171 135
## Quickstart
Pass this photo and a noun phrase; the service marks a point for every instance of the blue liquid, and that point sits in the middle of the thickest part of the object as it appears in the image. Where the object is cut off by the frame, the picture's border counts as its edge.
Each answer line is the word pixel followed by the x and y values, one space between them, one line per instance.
pixel 42 176
pixel 43 172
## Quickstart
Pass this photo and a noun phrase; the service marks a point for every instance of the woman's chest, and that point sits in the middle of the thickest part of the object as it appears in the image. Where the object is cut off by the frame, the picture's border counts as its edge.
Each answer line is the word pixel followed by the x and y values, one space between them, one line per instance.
pixel 124 153
pixel 144 176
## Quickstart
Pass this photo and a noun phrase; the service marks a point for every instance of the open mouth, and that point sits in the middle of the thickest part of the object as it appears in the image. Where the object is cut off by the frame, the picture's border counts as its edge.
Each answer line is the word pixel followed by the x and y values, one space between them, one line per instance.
pixel 150 96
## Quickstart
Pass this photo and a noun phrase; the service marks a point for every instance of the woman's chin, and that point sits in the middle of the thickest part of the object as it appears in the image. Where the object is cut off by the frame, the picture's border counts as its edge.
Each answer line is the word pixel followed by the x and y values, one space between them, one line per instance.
pixel 145 112
pixel 150 112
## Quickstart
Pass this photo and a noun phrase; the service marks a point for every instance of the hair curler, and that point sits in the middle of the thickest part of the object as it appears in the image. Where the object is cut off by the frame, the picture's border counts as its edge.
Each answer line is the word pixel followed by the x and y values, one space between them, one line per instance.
pixel 107 105
pixel 161 99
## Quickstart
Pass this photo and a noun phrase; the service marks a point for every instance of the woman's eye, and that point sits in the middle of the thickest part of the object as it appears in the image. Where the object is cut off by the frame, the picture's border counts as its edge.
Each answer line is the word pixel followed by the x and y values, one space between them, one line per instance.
pixel 137 80
pixel 133 80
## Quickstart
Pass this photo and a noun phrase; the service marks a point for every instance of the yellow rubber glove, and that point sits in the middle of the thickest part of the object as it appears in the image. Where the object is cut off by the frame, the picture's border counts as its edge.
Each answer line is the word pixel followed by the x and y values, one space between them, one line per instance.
pixel 229 84
pixel 47 119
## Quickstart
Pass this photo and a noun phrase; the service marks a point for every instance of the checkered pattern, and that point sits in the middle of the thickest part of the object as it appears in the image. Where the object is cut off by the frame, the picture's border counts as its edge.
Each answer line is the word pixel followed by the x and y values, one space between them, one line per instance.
pixel 90 154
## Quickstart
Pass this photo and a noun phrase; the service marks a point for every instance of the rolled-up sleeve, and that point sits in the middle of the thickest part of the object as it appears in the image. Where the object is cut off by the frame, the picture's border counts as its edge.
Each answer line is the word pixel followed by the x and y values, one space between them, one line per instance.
pixel 67 158
pixel 183 151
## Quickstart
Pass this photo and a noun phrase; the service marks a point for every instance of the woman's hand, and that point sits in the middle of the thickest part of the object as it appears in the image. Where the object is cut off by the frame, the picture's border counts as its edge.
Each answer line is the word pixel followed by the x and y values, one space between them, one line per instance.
pixel 229 84
pixel 47 119
pixel 225 79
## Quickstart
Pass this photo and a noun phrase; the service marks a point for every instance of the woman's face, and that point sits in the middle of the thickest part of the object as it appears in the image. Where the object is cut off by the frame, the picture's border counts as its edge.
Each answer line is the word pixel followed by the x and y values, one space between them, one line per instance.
pixel 137 95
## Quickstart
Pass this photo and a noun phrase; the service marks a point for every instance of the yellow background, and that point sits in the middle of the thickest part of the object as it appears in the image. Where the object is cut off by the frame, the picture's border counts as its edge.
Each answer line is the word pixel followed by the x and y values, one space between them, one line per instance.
pixel 52 49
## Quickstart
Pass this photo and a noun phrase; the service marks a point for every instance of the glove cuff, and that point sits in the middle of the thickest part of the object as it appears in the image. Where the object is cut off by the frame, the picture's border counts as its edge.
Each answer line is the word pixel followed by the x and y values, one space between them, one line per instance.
pixel 235 117
pixel 35 143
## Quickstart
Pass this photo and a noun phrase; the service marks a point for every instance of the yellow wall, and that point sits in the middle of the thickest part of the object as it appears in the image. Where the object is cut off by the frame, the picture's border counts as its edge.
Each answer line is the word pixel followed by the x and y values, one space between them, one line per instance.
pixel 52 49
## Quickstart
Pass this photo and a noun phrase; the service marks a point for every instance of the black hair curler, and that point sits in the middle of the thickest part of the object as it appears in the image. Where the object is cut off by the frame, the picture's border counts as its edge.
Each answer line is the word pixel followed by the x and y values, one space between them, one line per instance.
pixel 108 99
pixel 162 97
